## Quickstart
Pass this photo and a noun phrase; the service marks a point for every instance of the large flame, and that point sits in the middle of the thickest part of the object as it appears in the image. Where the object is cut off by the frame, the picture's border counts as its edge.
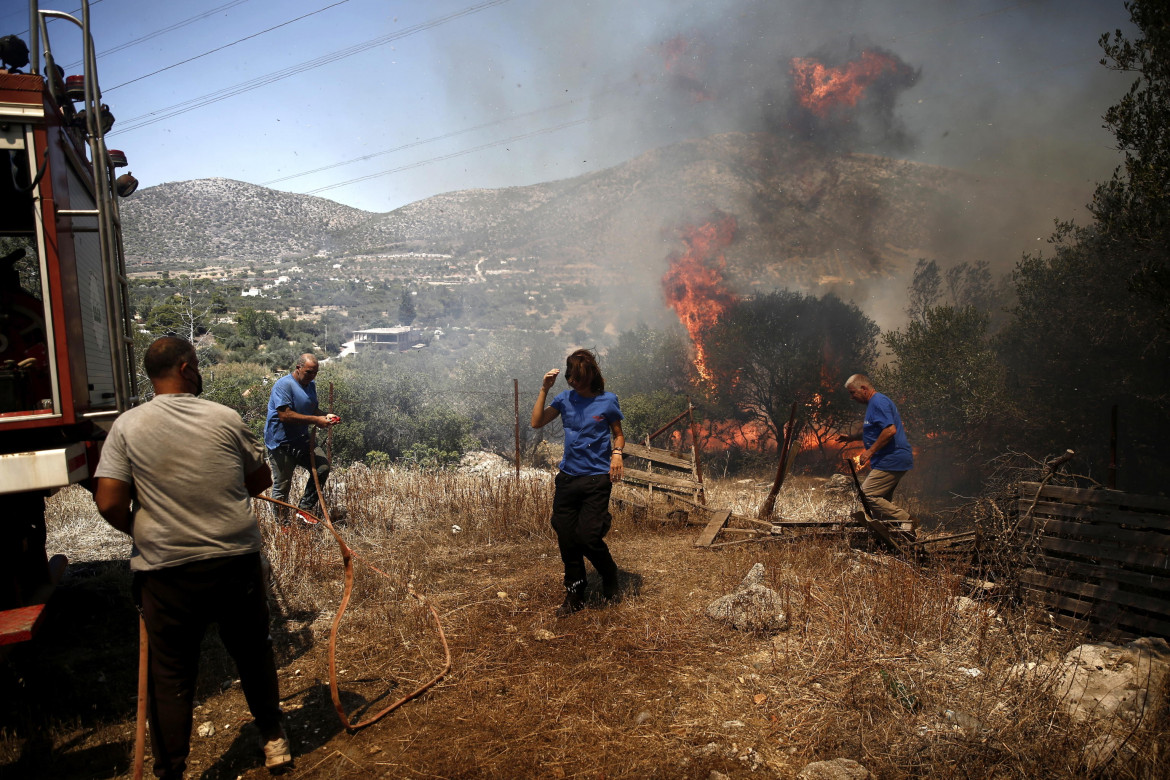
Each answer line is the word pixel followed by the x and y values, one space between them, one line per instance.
pixel 693 284
pixel 820 87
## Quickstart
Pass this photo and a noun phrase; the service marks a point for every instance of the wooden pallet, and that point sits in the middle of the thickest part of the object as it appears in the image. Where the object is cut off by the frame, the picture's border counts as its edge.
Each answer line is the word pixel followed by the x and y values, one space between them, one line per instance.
pixel 663 470
pixel 1098 559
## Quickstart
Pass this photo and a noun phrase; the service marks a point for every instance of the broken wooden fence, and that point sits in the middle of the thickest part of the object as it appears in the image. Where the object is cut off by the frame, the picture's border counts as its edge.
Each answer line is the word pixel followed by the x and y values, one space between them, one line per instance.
pixel 1099 559
pixel 674 471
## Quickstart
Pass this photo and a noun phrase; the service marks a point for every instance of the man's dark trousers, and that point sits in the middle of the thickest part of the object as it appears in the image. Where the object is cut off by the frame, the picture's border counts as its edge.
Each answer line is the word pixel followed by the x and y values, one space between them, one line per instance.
pixel 178 603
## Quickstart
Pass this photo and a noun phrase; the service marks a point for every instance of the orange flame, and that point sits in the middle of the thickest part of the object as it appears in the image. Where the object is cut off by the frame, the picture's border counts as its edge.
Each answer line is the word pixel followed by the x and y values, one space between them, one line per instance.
pixel 693 284
pixel 820 87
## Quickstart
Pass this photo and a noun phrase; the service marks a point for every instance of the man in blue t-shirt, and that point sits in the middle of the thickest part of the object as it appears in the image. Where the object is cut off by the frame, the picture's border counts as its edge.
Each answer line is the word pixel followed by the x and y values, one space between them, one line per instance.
pixel 887 450
pixel 292 408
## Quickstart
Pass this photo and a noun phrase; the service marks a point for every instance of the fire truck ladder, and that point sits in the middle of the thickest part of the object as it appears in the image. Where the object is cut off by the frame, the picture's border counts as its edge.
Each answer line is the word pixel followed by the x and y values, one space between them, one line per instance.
pixel 115 283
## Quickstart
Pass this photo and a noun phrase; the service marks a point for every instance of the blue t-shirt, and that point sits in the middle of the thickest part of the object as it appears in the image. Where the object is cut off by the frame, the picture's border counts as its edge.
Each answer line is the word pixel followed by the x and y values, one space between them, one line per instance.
pixel 880 413
pixel 587 421
pixel 303 400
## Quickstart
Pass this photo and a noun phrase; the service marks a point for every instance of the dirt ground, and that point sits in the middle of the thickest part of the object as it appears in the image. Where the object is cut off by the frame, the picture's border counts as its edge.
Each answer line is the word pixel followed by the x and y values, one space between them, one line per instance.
pixel 877 653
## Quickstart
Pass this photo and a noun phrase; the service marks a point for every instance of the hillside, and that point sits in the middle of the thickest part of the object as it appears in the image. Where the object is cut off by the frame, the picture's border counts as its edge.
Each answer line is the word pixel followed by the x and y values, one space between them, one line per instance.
pixel 217 219
pixel 804 219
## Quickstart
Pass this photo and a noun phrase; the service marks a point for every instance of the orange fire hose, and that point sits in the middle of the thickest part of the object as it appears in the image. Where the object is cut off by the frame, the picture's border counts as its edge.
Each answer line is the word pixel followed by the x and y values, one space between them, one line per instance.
pixel 347 556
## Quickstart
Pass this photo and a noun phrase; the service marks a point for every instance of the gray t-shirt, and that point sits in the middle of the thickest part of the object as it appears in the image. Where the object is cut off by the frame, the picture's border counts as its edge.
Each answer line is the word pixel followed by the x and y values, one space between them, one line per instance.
pixel 185 459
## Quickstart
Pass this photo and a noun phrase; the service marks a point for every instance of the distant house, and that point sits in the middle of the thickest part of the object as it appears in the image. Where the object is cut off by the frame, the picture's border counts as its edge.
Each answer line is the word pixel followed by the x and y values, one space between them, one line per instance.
pixel 398 339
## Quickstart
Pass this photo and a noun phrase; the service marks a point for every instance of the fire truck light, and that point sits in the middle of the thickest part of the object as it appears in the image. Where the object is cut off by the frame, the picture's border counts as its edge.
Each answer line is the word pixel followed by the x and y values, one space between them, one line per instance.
pixel 126 185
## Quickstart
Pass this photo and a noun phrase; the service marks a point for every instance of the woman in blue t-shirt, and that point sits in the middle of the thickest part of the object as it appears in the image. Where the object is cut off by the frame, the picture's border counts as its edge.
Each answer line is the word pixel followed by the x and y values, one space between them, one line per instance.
pixel 590 466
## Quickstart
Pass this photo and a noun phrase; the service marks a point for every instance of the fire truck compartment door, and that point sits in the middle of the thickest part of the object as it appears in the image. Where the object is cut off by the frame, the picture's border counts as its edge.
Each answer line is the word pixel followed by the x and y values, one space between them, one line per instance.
pixel 43 469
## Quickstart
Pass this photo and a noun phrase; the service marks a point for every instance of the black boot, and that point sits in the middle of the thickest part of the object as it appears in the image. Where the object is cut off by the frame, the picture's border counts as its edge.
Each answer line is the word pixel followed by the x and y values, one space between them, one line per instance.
pixel 574 599
pixel 611 588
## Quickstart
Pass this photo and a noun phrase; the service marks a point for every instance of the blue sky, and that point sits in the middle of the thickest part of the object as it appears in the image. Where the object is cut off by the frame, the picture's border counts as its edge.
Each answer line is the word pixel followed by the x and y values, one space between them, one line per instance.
pixel 376 104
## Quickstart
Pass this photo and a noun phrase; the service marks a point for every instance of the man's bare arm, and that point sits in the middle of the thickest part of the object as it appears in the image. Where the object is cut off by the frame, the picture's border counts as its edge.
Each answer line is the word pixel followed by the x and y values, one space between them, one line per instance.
pixel 259 480
pixel 113 502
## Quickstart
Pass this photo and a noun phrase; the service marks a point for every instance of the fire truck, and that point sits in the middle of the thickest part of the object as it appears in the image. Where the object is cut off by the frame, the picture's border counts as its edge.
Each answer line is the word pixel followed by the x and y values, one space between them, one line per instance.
pixel 66 352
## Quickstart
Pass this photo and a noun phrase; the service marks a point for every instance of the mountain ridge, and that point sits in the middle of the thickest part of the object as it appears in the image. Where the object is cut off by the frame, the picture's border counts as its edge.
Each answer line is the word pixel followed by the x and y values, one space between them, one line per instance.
pixel 805 218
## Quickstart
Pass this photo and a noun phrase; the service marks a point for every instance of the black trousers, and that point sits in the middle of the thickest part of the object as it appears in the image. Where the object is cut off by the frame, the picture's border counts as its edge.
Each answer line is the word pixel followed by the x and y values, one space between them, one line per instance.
pixel 178 603
pixel 581 518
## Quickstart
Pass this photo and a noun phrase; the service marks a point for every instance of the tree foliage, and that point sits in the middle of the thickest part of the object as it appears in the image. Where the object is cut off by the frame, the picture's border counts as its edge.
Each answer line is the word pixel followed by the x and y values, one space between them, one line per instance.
pixel 785 347
pixel 946 376
pixel 1092 322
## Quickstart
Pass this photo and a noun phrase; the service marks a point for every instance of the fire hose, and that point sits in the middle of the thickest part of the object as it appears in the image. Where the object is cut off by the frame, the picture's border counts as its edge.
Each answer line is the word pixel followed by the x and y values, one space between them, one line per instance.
pixel 347 557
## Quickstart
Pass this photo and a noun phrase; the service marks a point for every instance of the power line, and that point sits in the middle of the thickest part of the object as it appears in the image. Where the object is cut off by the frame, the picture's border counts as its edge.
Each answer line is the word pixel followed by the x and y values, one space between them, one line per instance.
pixel 443 137
pixel 162 31
pixel 214 97
pixel 440 158
pixel 25 14
pixel 229 45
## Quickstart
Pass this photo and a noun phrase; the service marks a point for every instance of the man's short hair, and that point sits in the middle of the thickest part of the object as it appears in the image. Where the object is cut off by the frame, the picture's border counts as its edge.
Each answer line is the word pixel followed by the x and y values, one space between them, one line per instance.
pixel 165 355
pixel 305 359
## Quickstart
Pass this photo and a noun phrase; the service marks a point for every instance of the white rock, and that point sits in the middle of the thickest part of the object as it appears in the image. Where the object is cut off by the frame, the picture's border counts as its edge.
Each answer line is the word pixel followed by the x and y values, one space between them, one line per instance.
pixel 206 729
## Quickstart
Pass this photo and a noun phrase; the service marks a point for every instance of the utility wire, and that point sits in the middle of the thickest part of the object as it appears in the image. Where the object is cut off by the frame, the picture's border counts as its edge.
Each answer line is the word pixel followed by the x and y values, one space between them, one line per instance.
pixel 24 13
pixel 214 97
pixel 229 45
pixel 452 155
pixel 443 137
pixel 163 31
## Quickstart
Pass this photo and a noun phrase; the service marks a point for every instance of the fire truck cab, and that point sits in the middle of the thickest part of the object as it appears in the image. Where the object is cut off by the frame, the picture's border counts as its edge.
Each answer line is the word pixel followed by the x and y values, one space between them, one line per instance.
pixel 66 359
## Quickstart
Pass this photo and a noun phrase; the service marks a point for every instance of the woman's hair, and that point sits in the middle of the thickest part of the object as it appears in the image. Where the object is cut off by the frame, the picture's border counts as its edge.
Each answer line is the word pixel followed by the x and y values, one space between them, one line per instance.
pixel 581 368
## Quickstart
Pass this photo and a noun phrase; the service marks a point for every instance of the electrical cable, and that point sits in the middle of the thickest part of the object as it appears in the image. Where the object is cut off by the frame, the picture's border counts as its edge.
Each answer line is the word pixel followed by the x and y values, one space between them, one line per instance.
pixel 460 153
pixel 137 122
pixel 161 31
pixel 432 139
pixel 227 45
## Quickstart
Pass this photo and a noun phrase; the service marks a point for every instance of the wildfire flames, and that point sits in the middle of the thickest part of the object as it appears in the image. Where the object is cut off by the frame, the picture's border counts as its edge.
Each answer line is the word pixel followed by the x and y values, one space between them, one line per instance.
pixel 693 284
pixel 821 88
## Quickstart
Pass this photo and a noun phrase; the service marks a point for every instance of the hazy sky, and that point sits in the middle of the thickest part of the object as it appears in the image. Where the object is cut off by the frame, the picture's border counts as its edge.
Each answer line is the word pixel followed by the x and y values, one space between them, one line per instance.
pixel 376 104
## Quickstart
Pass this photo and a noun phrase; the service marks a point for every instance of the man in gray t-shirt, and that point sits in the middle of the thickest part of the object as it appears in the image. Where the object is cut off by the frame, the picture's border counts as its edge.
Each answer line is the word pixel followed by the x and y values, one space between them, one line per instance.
pixel 177 475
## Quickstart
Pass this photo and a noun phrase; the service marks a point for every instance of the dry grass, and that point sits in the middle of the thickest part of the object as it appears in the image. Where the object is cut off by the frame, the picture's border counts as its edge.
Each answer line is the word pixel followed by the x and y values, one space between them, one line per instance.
pixel 877 654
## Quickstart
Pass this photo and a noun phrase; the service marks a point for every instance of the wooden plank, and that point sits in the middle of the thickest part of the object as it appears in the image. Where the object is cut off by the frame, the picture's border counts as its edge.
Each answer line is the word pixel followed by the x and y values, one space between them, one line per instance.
pixel 1129 538
pixel 1103 592
pixel 1105 615
pixel 718 520
pixel 816 523
pixel 659 480
pixel 1089 572
pixel 1116 498
pixel 1100 515
pixel 1101 552
pixel 656 455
